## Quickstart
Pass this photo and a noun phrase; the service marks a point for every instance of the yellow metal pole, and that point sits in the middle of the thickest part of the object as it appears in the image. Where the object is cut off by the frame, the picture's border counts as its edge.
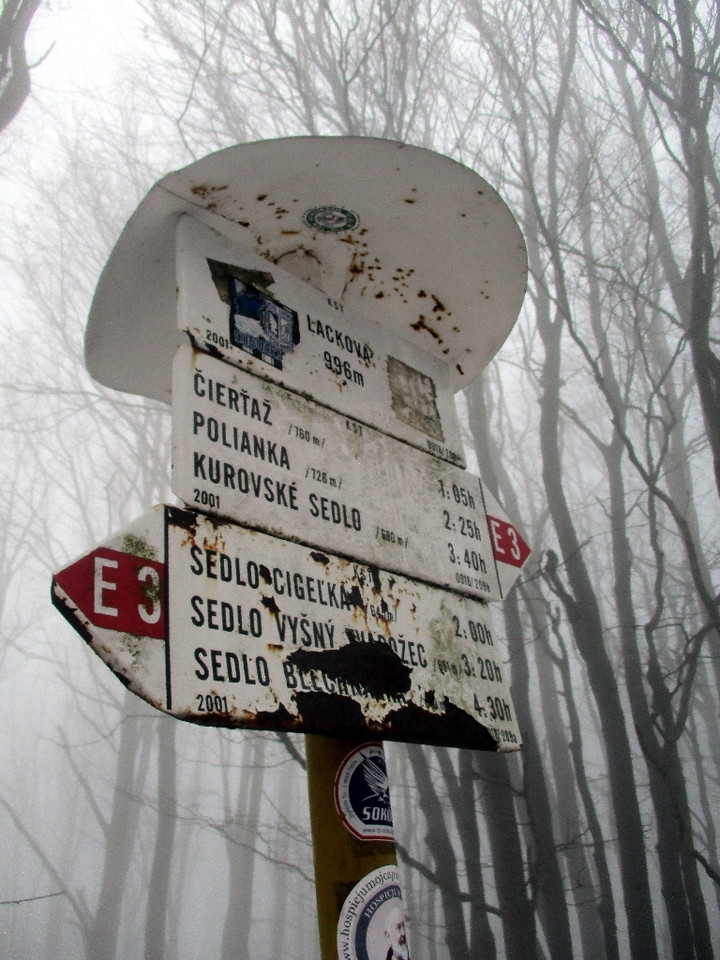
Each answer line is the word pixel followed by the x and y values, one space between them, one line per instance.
pixel 360 911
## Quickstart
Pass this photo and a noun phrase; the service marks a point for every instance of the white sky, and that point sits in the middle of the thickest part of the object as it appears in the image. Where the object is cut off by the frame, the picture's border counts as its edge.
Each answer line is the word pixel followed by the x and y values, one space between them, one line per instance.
pixel 85 36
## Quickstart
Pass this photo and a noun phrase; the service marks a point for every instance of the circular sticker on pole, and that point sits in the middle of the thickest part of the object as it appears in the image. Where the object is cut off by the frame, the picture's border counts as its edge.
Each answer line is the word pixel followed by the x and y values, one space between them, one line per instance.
pixel 372 920
pixel 362 793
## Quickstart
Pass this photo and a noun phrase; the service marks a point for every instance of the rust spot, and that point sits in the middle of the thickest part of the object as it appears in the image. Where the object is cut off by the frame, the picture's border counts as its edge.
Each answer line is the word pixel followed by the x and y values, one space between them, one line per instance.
pixel 380 294
pixel 327 712
pixel 354 597
pixel 278 719
pixel 415 725
pixel 205 190
pixel 439 305
pixel 459 369
pixel 421 325
pixel 421 293
pixel 375 667
pixel 183 519
pixel 320 557
pixel 410 200
pixel 261 196
pixel 270 605
pixel 207 348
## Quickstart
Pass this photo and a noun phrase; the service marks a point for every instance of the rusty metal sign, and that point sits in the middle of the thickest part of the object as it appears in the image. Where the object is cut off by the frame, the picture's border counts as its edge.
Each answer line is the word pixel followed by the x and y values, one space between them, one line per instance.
pixel 251 451
pixel 397 233
pixel 221 625
pixel 236 305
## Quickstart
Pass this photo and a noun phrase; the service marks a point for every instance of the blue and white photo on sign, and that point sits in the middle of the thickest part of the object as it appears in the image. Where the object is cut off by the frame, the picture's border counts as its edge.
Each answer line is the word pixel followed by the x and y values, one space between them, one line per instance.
pixel 261 325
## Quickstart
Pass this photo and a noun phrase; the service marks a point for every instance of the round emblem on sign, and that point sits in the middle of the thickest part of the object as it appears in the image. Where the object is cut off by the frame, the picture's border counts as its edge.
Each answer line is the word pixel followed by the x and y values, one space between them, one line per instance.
pixel 372 920
pixel 362 793
pixel 331 219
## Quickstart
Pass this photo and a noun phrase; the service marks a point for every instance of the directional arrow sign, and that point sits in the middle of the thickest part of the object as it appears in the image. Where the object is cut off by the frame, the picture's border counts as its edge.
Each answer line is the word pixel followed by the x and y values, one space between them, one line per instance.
pixel 255 315
pixel 221 625
pixel 249 450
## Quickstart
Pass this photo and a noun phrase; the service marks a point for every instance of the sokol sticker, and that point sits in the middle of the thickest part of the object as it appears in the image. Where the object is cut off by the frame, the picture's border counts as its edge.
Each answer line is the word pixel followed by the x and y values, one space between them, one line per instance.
pixel 372 920
pixel 362 793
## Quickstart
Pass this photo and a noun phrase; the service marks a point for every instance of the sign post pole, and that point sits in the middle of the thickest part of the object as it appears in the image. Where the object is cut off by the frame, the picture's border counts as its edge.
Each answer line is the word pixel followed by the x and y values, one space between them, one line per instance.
pixel 329 570
pixel 356 883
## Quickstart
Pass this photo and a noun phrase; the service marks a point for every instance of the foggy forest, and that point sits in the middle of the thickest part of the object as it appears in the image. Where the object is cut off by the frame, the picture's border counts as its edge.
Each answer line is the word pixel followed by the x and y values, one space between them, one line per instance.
pixel 128 834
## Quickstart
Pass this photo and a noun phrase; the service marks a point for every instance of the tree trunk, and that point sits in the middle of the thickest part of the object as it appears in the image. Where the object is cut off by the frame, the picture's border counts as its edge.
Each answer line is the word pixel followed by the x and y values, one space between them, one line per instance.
pixel 120 832
pixel 461 792
pixel 446 869
pixel 544 863
pixel 158 906
pixel 241 856
pixel 583 612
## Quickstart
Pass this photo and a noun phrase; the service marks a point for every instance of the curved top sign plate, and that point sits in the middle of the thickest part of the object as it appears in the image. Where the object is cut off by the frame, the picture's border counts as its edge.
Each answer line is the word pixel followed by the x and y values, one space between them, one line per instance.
pixel 397 233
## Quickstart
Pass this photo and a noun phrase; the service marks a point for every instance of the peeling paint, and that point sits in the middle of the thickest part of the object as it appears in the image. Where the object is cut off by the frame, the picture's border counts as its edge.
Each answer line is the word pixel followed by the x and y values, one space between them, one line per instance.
pixel 269 634
pixel 374 667
pixel 416 725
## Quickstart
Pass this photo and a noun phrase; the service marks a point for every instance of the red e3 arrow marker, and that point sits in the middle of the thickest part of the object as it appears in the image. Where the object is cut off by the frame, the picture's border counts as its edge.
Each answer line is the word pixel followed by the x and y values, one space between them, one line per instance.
pixel 116 598
pixel 508 546
pixel 117 591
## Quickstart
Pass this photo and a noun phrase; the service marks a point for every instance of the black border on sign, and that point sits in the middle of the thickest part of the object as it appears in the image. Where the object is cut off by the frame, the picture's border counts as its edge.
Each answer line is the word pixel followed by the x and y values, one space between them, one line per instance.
pixel 166 595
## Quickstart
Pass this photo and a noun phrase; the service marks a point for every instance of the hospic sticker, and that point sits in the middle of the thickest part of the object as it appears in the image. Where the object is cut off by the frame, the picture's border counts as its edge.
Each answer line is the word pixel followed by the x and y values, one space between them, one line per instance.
pixel 259 324
pixel 372 920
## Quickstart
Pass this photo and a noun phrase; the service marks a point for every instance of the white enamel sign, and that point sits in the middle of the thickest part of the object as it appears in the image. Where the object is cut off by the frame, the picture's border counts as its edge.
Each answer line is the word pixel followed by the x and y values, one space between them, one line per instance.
pixel 226 626
pixel 252 313
pixel 247 449
pixel 395 233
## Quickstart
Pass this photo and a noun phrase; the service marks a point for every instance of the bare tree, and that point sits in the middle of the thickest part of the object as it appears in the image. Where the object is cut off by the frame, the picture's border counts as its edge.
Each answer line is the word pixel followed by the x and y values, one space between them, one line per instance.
pixel 665 58
pixel 15 19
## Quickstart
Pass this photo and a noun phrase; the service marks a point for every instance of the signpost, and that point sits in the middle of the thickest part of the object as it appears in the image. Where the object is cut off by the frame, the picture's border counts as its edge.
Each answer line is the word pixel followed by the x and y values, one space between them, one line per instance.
pixel 251 451
pixel 396 235
pixel 236 305
pixel 218 624
pixel 322 298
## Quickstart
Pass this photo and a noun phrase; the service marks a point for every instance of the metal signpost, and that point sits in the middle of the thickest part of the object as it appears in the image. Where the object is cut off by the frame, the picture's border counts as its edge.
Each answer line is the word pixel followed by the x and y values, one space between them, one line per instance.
pixel 310 305
pixel 251 451
pixel 217 623
pixel 236 305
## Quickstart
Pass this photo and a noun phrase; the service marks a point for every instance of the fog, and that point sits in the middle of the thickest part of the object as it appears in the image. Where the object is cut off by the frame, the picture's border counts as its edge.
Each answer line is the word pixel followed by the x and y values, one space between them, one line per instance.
pixel 127 833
